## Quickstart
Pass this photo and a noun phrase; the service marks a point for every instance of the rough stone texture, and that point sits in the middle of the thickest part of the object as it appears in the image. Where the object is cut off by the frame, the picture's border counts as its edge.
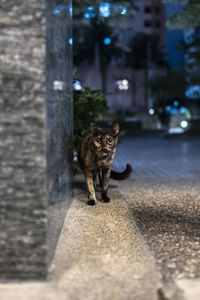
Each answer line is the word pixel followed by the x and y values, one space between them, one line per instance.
pixel 163 195
pixel 22 151
pixel 106 257
pixel 23 180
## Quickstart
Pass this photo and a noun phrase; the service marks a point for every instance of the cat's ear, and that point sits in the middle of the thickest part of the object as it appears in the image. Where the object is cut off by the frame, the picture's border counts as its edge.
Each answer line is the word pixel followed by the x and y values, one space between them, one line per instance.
pixel 115 129
pixel 93 126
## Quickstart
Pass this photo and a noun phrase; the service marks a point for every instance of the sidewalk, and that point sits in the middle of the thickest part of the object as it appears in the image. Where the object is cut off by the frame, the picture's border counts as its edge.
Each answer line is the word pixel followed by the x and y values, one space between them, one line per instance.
pixel 163 195
pixel 143 245
pixel 100 256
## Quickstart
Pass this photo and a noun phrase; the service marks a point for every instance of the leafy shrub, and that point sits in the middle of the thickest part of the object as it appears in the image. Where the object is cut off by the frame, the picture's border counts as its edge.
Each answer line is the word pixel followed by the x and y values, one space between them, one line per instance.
pixel 88 107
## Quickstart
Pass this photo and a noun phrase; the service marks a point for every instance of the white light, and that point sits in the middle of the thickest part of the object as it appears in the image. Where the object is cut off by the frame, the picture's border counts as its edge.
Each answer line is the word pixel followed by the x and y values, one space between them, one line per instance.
pixel 58 85
pixel 123 11
pixel 122 84
pixel 151 111
pixel 176 130
pixel 77 85
pixel 184 124
pixel 104 9
pixel 125 82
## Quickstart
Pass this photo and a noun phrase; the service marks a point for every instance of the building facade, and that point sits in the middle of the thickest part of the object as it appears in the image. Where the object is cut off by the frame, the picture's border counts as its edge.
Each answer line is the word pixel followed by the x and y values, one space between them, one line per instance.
pixel 126 88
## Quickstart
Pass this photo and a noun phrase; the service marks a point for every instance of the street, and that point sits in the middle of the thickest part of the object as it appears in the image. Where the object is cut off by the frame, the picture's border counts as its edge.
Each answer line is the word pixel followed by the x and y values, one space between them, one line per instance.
pixel 156 157
pixel 163 194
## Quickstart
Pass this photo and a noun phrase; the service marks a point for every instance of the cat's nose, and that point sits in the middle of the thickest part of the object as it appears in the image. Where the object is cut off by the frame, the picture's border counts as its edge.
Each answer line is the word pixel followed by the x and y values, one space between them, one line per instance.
pixel 105 150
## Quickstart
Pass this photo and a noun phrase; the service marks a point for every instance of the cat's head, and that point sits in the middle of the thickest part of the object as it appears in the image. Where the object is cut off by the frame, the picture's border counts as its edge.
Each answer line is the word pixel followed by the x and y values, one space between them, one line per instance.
pixel 104 139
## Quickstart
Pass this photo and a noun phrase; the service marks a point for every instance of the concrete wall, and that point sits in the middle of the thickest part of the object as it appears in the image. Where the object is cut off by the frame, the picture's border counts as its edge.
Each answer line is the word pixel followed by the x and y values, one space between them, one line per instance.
pixel 24 168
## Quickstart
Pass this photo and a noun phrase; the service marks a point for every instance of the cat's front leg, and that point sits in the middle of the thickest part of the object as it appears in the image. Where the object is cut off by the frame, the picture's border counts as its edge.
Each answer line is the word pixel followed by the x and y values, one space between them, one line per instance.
pixel 105 182
pixel 90 186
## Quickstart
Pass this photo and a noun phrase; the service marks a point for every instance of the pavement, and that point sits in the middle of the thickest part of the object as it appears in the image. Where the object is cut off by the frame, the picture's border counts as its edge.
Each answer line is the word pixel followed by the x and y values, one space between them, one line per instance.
pixel 100 255
pixel 163 195
pixel 143 245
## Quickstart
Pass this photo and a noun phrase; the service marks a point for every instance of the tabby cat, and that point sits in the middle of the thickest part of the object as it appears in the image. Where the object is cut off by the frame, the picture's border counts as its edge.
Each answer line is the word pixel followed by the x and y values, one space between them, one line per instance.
pixel 95 156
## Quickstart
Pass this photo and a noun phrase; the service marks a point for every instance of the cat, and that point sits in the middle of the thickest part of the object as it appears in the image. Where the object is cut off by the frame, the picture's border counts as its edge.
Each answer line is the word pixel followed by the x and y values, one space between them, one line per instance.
pixel 95 156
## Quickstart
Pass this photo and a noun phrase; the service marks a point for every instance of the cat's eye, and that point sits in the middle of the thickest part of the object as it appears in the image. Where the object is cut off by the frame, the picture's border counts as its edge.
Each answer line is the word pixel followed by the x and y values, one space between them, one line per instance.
pixel 98 140
pixel 109 140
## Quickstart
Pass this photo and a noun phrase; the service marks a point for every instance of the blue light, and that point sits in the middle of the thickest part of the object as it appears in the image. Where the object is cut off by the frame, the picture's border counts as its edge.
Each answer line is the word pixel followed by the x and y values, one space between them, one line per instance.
pixel 56 11
pixel 176 103
pixel 104 9
pixel 107 41
pixel 123 11
pixel 193 92
pixel 86 15
pixel 183 110
pixel 174 111
pixel 168 108
pixel 70 10
pixel 71 41
pixel 59 9
pixel 89 14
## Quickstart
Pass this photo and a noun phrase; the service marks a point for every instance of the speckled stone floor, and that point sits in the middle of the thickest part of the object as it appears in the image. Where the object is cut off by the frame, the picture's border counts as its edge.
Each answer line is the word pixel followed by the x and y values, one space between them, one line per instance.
pixel 100 256
pixel 163 194
pixel 121 250
pixel 168 216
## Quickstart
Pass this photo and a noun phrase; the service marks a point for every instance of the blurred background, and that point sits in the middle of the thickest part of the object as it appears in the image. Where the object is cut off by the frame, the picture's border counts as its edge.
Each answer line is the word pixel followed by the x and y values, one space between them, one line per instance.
pixel 143 55
pixel 135 62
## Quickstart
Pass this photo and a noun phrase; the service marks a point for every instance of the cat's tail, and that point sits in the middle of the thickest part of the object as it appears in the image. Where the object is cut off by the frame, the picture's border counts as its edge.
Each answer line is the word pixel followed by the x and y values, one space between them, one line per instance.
pixel 123 175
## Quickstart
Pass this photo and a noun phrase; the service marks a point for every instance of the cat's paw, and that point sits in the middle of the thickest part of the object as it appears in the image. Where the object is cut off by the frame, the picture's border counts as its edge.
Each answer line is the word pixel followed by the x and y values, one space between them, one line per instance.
pixel 105 198
pixel 91 202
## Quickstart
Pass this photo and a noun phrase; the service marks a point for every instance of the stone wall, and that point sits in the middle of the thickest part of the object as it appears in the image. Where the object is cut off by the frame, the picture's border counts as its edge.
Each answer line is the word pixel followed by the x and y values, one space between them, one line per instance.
pixel 25 176
pixel 59 114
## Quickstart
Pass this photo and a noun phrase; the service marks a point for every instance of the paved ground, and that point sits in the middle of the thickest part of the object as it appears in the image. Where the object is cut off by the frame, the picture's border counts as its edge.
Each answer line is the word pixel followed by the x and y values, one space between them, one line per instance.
pixel 101 254
pixel 154 157
pixel 163 194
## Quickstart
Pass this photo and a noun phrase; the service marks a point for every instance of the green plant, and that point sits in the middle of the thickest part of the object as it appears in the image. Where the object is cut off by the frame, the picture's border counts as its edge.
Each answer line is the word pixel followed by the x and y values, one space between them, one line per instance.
pixel 187 17
pixel 88 107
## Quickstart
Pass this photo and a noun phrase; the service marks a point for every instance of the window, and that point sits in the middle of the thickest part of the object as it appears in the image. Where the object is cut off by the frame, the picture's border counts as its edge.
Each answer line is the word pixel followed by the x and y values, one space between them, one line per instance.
pixel 157 9
pixel 147 9
pixel 147 23
pixel 157 24
pixel 123 84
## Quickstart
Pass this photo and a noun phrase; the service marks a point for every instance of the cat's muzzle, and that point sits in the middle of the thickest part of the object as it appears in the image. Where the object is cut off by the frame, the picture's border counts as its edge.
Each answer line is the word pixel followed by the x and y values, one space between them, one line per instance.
pixel 105 150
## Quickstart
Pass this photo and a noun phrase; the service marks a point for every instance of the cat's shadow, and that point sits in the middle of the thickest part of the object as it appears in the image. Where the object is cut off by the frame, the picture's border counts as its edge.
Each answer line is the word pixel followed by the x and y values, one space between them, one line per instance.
pixel 82 186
